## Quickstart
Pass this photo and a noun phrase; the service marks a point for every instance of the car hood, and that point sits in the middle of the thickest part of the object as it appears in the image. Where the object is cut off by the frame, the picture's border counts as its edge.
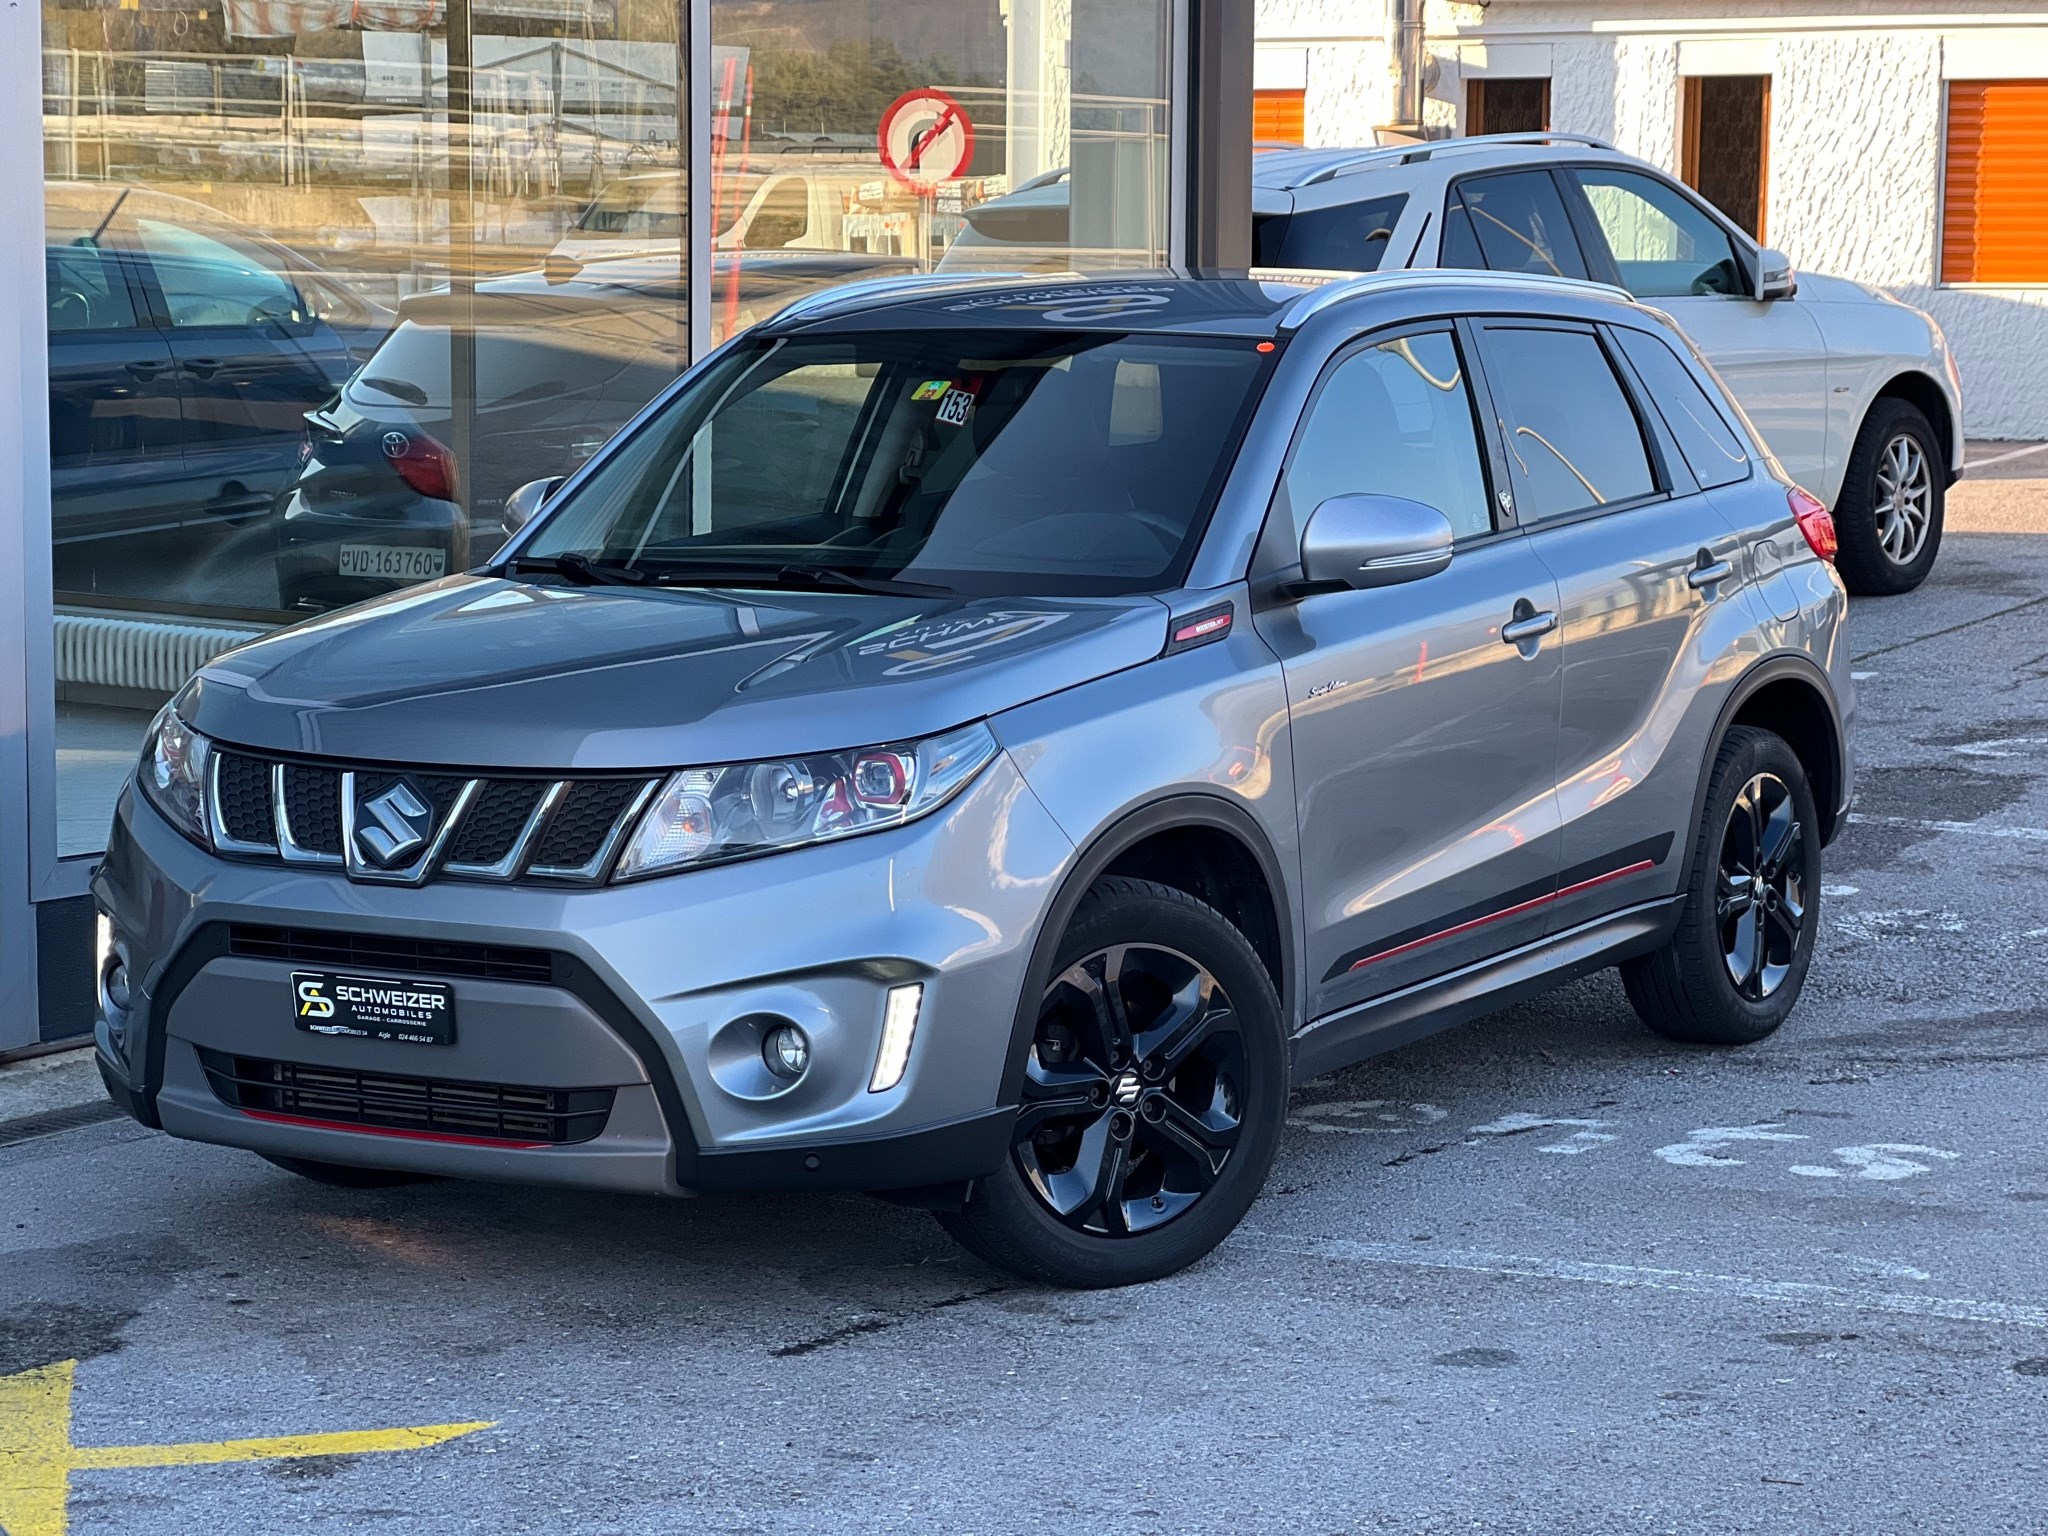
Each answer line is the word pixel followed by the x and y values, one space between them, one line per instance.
pixel 482 672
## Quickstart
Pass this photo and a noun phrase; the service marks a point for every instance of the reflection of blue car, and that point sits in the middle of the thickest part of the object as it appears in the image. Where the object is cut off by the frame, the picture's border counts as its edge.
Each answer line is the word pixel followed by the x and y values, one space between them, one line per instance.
pixel 184 352
pixel 563 358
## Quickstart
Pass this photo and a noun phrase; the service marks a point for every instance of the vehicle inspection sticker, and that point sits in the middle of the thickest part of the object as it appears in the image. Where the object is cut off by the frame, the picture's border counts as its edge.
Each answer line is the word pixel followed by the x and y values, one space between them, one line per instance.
pixel 956 408
pixel 931 389
pixel 373 1008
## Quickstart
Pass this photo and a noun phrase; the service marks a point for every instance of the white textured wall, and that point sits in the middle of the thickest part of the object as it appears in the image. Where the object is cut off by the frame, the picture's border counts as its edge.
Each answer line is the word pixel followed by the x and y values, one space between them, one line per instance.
pixel 1855 142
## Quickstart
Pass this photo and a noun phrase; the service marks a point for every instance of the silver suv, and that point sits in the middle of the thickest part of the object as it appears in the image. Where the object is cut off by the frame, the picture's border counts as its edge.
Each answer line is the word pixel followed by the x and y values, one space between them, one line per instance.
pixel 980 743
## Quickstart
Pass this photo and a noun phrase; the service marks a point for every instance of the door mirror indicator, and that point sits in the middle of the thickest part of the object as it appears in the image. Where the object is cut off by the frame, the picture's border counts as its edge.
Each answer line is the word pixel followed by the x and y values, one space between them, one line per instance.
pixel 1775 278
pixel 521 505
pixel 1373 541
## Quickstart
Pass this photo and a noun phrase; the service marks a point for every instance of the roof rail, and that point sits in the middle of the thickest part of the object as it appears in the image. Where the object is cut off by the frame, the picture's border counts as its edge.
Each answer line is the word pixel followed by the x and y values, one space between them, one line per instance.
pixel 1414 154
pixel 857 294
pixel 1337 289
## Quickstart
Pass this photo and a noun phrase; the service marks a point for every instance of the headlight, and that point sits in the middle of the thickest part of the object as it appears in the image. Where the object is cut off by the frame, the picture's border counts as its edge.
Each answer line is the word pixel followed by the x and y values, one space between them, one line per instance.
pixel 173 773
pixel 709 815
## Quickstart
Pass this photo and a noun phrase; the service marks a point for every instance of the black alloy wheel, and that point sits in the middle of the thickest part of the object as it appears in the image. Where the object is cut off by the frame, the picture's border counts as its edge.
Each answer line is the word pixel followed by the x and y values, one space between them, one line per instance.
pixel 1739 950
pixel 1152 1089
pixel 1133 1092
pixel 1762 900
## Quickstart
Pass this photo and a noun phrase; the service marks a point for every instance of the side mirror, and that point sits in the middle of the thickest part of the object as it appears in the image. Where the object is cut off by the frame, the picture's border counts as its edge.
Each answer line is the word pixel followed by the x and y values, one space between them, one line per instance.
pixel 1775 278
pixel 1373 541
pixel 521 505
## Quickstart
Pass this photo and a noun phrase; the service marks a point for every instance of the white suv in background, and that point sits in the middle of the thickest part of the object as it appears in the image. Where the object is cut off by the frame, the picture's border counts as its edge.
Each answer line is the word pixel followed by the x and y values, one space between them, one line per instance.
pixel 1854 391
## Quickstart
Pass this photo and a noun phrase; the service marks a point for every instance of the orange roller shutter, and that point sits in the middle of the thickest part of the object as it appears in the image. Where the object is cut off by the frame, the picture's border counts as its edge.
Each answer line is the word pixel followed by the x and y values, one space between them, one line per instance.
pixel 1994 220
pixel 1279 117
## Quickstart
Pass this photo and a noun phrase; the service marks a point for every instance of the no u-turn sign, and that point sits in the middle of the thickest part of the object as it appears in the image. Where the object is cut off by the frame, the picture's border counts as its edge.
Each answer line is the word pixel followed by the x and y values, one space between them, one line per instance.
pixel 926 139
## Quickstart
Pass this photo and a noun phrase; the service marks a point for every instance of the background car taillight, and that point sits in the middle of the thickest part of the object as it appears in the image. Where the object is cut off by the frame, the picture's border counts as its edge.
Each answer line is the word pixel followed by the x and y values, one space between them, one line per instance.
pixel 427 466
pixel 1814 521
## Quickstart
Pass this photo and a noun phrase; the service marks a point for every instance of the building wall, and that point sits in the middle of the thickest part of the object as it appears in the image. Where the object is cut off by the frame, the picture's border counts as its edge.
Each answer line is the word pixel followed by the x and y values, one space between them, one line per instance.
pixel 1857 124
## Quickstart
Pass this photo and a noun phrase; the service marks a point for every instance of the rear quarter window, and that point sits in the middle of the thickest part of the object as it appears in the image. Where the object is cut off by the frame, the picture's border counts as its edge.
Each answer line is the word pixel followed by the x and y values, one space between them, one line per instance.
pixel 1711 447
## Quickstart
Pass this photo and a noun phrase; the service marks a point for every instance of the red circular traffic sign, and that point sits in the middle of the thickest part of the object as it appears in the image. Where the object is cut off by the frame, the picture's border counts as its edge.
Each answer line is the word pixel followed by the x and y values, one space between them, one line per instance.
pixel 926 139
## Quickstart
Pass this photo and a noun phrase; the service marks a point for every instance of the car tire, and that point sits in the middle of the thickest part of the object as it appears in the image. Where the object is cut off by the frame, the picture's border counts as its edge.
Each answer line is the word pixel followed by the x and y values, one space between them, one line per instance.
pixel 1139 1144
pixel 1894 495
pixel 1734 966
pixel 346 1175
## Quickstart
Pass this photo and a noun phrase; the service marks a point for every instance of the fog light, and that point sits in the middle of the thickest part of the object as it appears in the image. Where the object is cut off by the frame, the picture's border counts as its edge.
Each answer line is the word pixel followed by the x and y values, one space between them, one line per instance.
pixel 899 1028
pixel 786 1052
pixel 111 968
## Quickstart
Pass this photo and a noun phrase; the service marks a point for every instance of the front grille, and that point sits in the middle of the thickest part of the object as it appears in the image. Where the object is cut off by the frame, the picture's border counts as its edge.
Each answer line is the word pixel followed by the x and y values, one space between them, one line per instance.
pixel 451 825
pixel 379 952
pixel 312 803
pixel 429 1106
pixel 243 786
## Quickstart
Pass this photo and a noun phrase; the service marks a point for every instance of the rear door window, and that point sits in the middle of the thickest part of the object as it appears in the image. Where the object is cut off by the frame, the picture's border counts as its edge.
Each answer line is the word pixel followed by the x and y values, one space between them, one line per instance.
pixel 1573 439
pixel 1515 222
pixel 1712 449
pixel 1349 238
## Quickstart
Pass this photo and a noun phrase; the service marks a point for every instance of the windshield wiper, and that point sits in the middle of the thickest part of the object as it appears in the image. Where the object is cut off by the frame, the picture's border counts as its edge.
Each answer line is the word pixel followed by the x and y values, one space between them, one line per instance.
pixel 810 578
pixel 580 569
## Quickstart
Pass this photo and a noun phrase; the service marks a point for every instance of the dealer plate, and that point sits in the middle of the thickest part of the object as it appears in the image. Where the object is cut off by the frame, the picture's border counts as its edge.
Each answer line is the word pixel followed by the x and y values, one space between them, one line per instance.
pixel 400 562
pixel 373 1007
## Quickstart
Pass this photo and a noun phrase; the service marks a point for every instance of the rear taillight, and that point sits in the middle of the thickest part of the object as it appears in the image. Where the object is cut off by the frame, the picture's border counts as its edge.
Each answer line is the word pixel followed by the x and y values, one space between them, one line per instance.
pixel 427 466
pixel 1814 522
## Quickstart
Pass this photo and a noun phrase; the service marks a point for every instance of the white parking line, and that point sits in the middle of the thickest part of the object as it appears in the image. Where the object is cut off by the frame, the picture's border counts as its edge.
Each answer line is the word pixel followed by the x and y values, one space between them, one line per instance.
pixel 1967 828
pixel 2000 458
pixel 1637 1277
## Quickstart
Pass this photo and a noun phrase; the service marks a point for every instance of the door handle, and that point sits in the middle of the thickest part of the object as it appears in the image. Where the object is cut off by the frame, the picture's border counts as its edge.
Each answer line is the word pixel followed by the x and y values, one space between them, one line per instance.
pixel 202 367
pixel 144 370
pixel 1532 626
pixel 1704 575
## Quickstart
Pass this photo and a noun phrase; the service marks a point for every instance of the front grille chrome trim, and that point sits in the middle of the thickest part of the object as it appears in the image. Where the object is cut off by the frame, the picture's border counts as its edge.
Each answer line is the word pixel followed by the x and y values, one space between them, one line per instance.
pixel 216 823
pixel 416 872
pixel 600 863
pixel 288 847
pixel 432 863
pixel 514 861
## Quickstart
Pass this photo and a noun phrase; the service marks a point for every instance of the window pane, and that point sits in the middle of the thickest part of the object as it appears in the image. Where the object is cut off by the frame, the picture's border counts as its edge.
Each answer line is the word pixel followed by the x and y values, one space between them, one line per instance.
pixel 1711 448
pixel 1573 438
pixel 86 289
pixel 890 136
pixel 207 281
pixel 987 462
pixel 1663 244
pixel 1348 238
pixel 1520 225
pixel 1393 420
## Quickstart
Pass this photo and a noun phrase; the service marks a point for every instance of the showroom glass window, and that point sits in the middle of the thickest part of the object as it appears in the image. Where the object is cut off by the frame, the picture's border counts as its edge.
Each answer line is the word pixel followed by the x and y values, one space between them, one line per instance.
pixel 327 281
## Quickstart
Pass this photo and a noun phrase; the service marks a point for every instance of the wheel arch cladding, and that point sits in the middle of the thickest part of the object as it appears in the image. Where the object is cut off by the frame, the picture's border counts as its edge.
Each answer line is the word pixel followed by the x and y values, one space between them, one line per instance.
pixel 1201 844
pixel 1790 706
pixel 1925 396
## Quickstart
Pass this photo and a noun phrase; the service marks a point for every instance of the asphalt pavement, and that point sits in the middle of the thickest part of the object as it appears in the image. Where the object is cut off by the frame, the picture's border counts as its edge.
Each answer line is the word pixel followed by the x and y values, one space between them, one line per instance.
pixel 1545 1274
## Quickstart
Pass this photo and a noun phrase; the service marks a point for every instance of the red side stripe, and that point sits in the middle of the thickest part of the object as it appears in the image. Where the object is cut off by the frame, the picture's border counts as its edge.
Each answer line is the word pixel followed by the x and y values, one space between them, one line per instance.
pixel 1493 917
pixel 403 1135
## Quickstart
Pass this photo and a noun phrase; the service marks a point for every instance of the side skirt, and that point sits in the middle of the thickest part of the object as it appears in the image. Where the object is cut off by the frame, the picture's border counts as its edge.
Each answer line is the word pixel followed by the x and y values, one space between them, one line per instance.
pixel 1414 1013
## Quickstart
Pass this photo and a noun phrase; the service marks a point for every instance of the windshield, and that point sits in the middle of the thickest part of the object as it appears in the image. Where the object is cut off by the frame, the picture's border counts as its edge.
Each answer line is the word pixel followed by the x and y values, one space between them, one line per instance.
pixel 981 462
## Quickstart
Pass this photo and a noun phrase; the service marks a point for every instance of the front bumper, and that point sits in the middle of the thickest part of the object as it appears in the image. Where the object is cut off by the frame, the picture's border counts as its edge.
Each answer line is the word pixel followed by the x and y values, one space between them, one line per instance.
pixel 650 992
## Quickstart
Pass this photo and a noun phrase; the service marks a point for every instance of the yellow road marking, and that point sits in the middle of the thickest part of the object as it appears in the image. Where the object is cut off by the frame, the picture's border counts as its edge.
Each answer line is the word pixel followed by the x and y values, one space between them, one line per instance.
pixel 37 1457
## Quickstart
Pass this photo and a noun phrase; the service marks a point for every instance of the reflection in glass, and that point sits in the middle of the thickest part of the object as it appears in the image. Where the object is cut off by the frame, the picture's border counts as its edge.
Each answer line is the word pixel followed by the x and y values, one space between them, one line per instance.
pixel 328 279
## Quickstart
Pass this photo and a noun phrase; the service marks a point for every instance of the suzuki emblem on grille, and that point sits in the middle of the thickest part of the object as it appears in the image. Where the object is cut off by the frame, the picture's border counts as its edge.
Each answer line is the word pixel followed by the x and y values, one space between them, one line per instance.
pixel 393 825
pixel 395 444
pixel 1127 1089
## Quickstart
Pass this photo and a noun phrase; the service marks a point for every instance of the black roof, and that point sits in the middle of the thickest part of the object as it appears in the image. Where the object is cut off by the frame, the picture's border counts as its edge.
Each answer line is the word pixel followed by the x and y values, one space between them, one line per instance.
pixel 1222 304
